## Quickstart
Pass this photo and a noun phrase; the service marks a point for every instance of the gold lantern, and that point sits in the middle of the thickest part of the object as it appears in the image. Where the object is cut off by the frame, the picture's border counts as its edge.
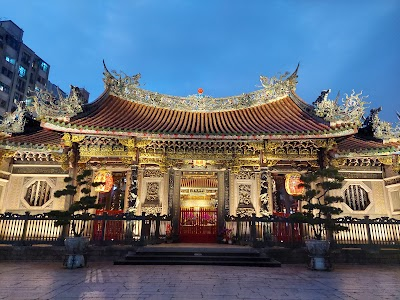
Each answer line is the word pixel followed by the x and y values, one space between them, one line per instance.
pixel 105 178
pixel 292 182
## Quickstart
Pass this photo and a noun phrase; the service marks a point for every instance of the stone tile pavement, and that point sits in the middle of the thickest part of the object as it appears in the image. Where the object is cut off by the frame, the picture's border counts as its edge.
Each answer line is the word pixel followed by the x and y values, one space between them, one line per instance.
pixel 103 280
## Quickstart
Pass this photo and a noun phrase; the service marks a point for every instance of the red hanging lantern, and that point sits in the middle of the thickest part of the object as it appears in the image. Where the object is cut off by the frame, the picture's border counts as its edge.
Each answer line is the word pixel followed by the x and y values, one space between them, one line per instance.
pixel 200 91
pixel 292 182
pixel 105 178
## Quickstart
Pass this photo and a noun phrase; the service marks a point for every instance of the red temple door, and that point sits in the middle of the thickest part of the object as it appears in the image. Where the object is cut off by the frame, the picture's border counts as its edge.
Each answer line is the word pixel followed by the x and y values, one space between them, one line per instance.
pixel 198 225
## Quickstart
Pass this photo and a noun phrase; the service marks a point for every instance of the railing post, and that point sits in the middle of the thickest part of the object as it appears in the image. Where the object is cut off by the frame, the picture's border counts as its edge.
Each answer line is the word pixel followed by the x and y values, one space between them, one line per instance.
pixel 253 233
pixel 64 232
pixel 157 233
pixel 25 229
pixel 292 235
pixel 238 233
pixel 142 231
pixel 103 228
pixel 367 227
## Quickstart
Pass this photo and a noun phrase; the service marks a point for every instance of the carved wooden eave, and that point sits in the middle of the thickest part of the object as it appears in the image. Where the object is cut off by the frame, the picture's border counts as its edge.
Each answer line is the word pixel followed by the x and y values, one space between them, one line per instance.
pixel 103 146
pixel 297 150
pixel 226 154
pixel 362 161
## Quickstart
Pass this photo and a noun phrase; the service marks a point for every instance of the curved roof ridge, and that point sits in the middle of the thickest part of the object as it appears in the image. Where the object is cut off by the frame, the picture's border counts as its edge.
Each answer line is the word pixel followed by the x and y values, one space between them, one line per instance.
pixel 128 88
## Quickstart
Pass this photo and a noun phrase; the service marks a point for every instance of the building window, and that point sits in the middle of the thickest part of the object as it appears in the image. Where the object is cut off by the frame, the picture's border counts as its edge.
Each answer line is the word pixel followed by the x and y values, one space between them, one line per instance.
pixel 41 80
pixel 6 72
pixel 356 197
pixel 38 193
pixel 21 72
pixel 18 97
pixel 43 66
pixel 10 60
pixel 3 104
pixel 31 79
pixel 26 58
pixel 13 43
pixel 4 87
pixel 20 85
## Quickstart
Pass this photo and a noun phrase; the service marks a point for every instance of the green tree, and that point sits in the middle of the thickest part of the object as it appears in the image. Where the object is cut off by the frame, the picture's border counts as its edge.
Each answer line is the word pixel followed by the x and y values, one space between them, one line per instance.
pixel 82 206
pixel 318 203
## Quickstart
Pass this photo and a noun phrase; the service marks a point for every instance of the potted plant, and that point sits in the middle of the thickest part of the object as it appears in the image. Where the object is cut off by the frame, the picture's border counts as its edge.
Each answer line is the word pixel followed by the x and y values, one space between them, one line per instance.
pixel 319 207
pixel 77 245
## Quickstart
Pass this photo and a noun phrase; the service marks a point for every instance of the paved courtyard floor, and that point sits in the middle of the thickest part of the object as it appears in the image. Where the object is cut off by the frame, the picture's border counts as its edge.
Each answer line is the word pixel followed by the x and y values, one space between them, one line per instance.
pixel 103 280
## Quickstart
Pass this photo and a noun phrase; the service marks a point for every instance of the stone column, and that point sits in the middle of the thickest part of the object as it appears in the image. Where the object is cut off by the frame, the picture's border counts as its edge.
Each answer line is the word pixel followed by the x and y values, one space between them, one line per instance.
pixel 221 201
pixel 270 192
pixel 133 189
pixel 226 192
pixel 176 202
pixel 127 189
pixel 266 191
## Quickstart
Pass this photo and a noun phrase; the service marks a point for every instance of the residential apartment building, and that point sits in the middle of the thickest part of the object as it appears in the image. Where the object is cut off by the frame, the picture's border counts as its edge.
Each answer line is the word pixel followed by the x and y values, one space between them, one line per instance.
pixel 20 68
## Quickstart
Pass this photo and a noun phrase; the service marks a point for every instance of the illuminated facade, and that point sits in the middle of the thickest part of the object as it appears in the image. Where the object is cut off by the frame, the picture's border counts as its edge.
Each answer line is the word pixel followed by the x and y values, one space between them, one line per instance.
pixel 169 154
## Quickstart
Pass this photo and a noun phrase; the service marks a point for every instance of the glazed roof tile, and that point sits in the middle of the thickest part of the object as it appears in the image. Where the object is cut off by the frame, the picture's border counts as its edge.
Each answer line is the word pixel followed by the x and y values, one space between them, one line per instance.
pixel 357 144
pixel 38 139
pixel 280 117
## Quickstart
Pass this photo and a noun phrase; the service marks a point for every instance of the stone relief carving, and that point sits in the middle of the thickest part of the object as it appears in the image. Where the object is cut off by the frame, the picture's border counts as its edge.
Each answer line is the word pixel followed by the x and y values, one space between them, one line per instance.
pixel 153 173
pixel 245 207
pixel 152 193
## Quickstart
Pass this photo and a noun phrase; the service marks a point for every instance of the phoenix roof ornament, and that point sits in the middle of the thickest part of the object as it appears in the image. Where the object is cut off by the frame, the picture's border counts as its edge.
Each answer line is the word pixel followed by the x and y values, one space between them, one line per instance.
pixel 282 85
pixel 381 129
pixel 14 122
pixel 351 110
pixel 127 87
pixel 42 104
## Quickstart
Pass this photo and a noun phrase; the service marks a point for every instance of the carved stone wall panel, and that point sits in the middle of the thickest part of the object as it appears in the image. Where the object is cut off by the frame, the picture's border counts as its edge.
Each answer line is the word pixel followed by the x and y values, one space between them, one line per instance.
pixel 244 194
pixel 245 197
pixel 152 193
pixel 378 198
pixel 38 170
pixel 354 175
pixel 13 193
pixel 152 173
pixel 246 174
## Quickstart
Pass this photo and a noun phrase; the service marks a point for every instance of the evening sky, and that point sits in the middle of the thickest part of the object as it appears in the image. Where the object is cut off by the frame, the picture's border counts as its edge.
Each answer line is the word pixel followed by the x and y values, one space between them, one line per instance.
pixel 221 46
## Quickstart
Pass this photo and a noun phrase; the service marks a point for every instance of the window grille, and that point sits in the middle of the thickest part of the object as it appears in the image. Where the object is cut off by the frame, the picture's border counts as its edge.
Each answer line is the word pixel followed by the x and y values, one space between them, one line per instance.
pixel 356 197
pixel 38 193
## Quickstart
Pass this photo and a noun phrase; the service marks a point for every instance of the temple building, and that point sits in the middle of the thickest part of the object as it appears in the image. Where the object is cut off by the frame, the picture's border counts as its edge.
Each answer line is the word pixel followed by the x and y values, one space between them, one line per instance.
pixel 197 155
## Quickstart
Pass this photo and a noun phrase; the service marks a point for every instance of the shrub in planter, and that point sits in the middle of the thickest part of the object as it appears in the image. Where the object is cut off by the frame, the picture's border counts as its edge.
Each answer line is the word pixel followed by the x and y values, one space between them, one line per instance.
pixel 319 207
pixel 76 246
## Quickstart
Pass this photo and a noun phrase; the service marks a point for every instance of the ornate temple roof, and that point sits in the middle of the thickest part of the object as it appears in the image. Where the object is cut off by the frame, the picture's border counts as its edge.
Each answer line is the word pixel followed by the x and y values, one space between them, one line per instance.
pixel 357 144
pixel 41 139
pixel 282 118
pixel 275 111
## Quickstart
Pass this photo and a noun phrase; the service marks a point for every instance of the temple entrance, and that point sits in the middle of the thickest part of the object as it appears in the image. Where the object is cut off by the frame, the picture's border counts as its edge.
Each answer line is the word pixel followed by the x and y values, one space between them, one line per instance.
pixel 111 196
pixel 198 215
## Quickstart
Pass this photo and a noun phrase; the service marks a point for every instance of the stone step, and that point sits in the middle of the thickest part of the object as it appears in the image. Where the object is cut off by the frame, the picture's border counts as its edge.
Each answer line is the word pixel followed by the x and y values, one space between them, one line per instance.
pixel 271 263
pixel 197 255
